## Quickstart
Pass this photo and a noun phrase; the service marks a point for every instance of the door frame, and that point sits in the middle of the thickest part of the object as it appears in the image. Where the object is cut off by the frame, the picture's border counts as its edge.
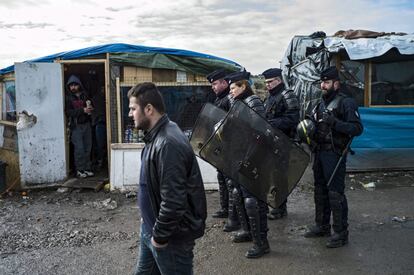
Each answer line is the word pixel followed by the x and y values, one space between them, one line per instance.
pixel 105 62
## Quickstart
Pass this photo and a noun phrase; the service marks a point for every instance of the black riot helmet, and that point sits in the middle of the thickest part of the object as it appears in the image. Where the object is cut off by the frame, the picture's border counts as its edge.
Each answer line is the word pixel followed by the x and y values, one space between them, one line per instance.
pixel 306 131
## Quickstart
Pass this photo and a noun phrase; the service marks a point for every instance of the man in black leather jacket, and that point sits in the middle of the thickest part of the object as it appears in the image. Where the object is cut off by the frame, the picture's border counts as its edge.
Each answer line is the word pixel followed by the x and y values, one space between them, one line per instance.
pixel 171 194
pixel 282 112
pixel 221 88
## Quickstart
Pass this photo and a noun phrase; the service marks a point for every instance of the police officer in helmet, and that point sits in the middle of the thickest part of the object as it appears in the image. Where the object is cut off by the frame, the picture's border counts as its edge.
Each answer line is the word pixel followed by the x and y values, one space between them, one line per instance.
pixel 337 121
pixel 221 88
pixel 282 112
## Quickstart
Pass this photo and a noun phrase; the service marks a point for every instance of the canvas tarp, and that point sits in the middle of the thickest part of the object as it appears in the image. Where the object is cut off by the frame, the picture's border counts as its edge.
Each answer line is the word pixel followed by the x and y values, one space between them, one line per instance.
pixel 152 57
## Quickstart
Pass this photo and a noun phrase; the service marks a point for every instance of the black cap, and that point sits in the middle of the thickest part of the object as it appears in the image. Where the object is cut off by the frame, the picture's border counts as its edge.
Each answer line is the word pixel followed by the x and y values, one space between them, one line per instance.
pixel 330 74
pixel 271 73
pixel 234 77
pixel 216 75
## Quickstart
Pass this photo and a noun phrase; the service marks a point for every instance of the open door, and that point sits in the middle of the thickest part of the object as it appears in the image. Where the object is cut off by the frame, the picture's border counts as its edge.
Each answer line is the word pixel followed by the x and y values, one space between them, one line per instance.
pixel 42 156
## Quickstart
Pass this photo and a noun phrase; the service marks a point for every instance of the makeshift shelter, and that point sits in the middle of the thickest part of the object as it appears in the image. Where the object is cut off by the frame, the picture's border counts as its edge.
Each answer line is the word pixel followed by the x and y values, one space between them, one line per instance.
pixel 378 69
pixel 39 151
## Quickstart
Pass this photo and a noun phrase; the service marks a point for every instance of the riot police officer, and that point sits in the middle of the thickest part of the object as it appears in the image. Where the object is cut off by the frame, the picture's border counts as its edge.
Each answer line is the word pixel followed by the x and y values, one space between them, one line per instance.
pixel 337 122
pixel 282 112
pixel 221 88
pixel 254 227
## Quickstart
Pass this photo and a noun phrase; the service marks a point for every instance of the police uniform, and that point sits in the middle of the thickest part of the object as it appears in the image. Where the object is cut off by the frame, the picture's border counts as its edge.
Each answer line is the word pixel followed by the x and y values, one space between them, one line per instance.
pixel 337 122
pixel 282 112
pixel 252 212
pixel 223 102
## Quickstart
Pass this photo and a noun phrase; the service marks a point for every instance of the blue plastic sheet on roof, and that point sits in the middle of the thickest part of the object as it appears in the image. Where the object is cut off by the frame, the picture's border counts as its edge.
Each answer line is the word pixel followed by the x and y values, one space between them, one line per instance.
pixel 118 48
pixel 387 141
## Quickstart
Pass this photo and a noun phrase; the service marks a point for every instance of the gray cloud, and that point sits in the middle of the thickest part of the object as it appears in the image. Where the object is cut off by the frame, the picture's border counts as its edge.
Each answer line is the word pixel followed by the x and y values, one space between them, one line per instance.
pixel 22 3
pixel 113 9
pixel 27 25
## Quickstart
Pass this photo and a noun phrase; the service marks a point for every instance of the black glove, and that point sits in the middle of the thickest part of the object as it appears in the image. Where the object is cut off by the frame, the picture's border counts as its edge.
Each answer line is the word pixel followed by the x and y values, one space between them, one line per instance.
pixel 329 118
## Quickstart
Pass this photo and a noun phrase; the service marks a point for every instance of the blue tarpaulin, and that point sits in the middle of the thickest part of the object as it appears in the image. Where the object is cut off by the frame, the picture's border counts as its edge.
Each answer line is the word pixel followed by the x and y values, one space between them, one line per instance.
pixel 121 48
pixel 387 141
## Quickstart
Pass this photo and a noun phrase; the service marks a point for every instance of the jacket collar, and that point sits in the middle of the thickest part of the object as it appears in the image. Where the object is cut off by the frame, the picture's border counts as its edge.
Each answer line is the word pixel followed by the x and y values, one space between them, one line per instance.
pixel 151 134
pixel 223 93
pixel 277 89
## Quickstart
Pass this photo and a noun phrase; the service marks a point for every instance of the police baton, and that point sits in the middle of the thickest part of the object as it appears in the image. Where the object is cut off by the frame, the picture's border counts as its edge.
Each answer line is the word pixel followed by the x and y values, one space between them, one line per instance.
pixel 346 150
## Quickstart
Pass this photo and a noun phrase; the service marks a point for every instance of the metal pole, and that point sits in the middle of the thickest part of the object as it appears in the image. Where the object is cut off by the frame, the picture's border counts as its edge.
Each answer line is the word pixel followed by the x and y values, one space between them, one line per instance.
pixel 339 161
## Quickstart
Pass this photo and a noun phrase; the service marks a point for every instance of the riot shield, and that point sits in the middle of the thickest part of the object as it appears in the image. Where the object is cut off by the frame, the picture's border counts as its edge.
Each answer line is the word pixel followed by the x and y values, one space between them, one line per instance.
pixel 209 117
pixel 246 148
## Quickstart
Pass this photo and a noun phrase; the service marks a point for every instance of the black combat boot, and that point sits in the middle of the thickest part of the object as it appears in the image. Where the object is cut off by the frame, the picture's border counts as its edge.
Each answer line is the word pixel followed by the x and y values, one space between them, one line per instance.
pixel 339 221
pixel 242 235
pixel 278 213
pixel 224 198
pixel 316 231
pixel 260 244
pixel 322 214
pixel 232 223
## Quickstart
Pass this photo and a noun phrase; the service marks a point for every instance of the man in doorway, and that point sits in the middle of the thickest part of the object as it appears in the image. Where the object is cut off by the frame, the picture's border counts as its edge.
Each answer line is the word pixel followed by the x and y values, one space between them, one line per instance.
pixel 171 193
pixel 78 110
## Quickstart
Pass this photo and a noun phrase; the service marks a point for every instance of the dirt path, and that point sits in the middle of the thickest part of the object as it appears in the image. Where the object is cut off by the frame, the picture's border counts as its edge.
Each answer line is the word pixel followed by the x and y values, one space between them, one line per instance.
pixel 83 232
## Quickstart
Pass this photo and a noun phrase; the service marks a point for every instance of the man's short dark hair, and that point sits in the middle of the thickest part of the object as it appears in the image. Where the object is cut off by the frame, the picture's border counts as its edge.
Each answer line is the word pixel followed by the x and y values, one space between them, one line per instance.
pixel 147 93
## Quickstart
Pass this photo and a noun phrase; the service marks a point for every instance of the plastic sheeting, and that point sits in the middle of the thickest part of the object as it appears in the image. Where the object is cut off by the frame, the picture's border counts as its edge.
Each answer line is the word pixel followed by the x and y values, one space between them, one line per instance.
pixel 387 141
pixel 388 138
pixel 365 48
pixel 159 58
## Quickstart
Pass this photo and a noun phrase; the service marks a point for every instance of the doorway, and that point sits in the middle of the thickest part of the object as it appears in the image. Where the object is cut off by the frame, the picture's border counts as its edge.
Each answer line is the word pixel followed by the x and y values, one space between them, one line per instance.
pixel 92 77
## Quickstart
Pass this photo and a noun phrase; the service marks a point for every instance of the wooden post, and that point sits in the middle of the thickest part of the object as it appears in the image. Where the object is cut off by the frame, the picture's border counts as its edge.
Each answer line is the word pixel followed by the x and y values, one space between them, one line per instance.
pixel 118 109
pixel 108 110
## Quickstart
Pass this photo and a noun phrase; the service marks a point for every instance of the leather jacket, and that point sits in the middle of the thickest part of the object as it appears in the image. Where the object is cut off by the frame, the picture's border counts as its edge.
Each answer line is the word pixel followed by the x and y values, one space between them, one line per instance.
pixel 175 185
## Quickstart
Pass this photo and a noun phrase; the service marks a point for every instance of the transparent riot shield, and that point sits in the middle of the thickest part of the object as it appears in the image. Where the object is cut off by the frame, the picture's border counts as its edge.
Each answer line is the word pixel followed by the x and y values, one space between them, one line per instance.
pixel 204 127
pixel 246 148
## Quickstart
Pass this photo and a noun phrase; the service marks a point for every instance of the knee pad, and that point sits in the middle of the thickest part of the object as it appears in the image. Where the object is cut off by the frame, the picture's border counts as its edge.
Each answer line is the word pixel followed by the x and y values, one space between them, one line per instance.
pixel 251 206
pixel 236 192
pixel 230 184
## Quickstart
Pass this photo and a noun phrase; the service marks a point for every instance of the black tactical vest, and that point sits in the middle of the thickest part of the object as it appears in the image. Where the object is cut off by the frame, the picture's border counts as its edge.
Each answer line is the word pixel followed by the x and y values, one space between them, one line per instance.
pixel 325 135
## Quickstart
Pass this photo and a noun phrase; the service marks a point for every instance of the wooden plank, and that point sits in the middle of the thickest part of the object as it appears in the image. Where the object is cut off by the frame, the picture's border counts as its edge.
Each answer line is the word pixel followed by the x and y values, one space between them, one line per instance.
pixel 143 75
pixel 164 75
pixel 79 61
pixel 118 109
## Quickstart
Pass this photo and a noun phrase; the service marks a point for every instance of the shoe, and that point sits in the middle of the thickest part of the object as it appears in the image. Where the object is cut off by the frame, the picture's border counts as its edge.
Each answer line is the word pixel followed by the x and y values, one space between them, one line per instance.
pixel 81 174
pixel 231 226
pixel 317 231
pixel 338 239
pixel 257 250
pixel 221 213
pixel 242 237
pixel 276 214
pixel 89 173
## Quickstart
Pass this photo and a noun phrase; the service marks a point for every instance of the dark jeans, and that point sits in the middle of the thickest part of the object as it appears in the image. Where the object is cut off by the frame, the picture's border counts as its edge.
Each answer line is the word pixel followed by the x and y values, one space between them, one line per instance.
pixel 82 145
pixel 170 260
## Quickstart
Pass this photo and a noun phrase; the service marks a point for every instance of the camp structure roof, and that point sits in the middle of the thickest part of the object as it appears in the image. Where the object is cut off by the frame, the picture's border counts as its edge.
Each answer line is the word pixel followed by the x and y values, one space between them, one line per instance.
pixel 152 57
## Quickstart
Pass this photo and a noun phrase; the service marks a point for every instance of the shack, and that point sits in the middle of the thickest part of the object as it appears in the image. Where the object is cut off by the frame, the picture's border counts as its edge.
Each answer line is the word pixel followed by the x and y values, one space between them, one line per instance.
pixel 34 139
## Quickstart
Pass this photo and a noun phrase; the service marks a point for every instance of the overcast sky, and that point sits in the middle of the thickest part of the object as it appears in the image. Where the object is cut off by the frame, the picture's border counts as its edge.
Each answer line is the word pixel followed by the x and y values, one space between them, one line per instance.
pixel 253 33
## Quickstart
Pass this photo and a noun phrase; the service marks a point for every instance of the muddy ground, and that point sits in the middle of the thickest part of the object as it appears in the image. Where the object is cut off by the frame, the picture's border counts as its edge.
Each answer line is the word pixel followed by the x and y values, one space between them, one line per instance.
pixel 87 232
